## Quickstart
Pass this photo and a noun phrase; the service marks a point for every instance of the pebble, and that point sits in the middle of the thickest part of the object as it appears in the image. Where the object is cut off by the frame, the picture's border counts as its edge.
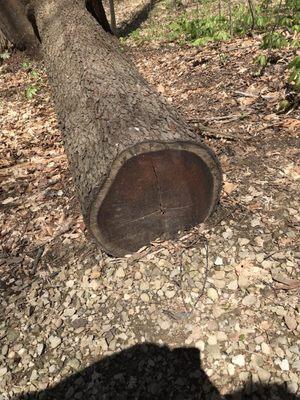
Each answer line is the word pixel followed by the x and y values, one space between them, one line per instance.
pixel 265 348
pixel 40 348
pixel 4 350
pixel 243 281
pixel 164 324
pixel 145 297
pixel 284 365
pixel 233 285
pixel 264 375
pixel 120 273
pixel 296 365
pixel 290 321
pixel 212 294
pixel 218 261
pixel 238 360
pixel 231 369
pixel 55 341
pixel 200 345
pixel 212 340
pixel 292 387
pixel 214 351
pixel 3 371
pixel 249 300
pixel 243 241
pixel 170 294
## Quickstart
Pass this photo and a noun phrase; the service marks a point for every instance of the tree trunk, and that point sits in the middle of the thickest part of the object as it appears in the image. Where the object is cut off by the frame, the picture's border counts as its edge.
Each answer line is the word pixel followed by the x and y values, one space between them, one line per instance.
pixel 113 23
pixel 16 26
pixel 140 173
pixel 3 42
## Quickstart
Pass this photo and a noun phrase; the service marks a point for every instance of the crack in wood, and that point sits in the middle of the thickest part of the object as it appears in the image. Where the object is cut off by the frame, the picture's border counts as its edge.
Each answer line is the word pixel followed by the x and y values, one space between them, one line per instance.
pixel 162 211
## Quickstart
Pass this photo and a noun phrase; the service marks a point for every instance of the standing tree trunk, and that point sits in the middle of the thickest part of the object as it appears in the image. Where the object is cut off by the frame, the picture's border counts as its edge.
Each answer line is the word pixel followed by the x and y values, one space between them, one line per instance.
pixel 113 23
pixel 3 42
pixel 139 171
pixel 16 26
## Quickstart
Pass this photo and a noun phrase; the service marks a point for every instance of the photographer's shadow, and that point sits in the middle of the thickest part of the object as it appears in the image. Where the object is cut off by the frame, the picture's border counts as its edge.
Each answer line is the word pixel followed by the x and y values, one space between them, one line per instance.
pixel 148 371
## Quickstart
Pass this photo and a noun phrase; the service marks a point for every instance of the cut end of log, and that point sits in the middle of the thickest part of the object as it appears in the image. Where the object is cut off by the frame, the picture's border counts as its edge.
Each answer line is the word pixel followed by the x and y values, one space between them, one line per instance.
pixel 154 190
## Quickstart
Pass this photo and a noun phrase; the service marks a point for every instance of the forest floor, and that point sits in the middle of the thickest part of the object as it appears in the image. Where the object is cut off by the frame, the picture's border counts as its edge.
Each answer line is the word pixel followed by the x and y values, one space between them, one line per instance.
pixel 227 291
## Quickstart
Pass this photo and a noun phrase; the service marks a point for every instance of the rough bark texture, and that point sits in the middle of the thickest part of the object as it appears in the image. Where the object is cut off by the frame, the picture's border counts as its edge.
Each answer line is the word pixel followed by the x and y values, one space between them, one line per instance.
pixel 16 26
pixel 3 42
pixel 129 151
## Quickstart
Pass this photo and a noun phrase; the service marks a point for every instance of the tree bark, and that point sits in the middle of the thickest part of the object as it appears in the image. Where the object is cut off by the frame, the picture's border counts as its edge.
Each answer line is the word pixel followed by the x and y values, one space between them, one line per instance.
pixel 16 26
pixel 140 173
pixel 113 23
pixel 3 42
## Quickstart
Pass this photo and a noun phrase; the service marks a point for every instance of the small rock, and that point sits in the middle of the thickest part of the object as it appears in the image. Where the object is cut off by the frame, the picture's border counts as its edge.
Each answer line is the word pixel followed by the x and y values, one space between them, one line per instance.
pixel 212 294
pixel 170 294
pixel 200 345
pixel 255 222
pixel 214 351
pixel 103 344
pixel 120 273
pixel 3 371
pixel 55 341
pixel 94 284
pixel 243 281
pixel 52 369
pixel 292 387
pixel 263 375
pixel 221 336
pixel 243 241
pixel 145 297
pixel 218 261
pixel 290 321
pixel 284 365
pixel 265 348
pixel 233 285
pixel 238 360
pixel 34 375
pixel 231 369
pixel 164 324
pixel 79 323
pixel 249 300
pixel 212 339
pixel 74 363
pixel 40 348
pixel 69 312
pixel 296 365
pixel 4 350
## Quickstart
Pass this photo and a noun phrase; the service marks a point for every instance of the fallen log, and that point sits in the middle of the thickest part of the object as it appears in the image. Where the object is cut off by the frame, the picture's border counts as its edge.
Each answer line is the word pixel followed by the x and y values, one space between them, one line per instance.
pixel 139 171
pixel 15 25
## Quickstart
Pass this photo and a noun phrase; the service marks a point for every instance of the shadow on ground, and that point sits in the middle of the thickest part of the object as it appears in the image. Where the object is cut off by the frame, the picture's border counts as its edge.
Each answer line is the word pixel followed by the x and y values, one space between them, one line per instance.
pixel 148 371
pixel 136 20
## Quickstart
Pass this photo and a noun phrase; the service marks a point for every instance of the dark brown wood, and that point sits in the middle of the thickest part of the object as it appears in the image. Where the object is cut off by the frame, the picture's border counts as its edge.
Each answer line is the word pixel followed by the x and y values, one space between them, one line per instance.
pixel 139 171
pixel 3 42
pixel 16 26
pixel 95 7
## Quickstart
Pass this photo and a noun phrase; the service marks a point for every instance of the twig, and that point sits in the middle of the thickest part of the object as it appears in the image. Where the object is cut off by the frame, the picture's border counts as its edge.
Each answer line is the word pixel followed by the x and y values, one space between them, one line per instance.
pixel 214 133
pixel 36 260
pixel 229 116
pixel 252 14
pixel 245 94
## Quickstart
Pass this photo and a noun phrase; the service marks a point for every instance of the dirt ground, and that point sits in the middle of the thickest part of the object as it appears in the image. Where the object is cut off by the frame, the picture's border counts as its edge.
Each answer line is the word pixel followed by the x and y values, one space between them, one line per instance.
pixel 228 290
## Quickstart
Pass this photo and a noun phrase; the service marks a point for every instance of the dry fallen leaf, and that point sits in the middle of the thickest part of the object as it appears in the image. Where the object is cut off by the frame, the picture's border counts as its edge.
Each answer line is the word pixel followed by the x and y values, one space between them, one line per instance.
pixel 290 321
pixel 229 187
pixel 286 283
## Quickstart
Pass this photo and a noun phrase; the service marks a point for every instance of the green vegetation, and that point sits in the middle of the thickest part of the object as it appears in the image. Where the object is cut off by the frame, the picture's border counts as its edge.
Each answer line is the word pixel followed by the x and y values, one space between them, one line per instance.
pixel 294 77
pixel 31 92
pixel 5 55
pixel 211 20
